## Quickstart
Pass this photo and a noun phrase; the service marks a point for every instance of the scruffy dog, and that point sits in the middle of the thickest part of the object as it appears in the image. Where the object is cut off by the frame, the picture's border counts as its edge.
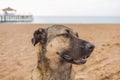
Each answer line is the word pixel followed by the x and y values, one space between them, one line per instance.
pixel 58 48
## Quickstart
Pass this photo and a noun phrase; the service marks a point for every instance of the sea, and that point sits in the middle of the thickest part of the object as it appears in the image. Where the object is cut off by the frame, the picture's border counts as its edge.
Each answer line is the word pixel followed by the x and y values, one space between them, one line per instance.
pixel 72 20
pixel 76 20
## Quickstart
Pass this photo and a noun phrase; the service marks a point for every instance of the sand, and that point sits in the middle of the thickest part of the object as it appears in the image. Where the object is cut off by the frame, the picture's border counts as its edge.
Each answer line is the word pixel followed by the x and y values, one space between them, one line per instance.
pixel 18 56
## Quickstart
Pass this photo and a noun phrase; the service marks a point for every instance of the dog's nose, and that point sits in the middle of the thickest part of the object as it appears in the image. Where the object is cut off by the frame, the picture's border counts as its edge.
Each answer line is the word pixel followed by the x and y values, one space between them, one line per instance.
pixel 89 46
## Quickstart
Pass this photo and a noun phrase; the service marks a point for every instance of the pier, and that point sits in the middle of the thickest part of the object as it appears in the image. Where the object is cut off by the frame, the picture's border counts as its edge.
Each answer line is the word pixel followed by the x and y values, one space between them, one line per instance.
pixel 10 16
pixel 16 18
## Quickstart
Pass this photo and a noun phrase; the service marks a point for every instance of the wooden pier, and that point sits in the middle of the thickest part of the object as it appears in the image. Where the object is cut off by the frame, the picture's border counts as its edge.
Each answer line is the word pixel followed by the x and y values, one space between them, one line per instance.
pixel 16 18
pixel 10 16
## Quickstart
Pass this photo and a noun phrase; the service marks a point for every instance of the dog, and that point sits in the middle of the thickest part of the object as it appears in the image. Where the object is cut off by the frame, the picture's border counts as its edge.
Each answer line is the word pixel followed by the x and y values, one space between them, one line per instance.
pixel 58 48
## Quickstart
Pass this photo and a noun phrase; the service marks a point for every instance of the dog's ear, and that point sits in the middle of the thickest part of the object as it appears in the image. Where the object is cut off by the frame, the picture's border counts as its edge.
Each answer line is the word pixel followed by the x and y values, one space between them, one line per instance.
pixel 39 36
pixel 77 34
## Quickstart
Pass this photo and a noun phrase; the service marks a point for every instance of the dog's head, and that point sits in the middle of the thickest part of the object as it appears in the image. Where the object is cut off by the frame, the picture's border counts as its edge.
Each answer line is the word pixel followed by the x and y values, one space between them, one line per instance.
pixel 62 42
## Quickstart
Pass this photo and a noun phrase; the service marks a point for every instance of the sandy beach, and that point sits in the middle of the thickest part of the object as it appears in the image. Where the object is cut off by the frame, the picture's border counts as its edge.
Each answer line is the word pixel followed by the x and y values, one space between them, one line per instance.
pixel 18 56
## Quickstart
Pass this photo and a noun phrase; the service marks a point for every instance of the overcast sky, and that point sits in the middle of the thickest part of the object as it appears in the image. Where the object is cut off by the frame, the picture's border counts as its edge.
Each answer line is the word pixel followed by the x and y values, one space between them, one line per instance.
pixel 65 7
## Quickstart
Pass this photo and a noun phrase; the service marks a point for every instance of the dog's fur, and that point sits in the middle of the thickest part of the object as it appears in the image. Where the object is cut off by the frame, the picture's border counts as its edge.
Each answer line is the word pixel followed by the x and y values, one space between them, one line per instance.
pixel 58 48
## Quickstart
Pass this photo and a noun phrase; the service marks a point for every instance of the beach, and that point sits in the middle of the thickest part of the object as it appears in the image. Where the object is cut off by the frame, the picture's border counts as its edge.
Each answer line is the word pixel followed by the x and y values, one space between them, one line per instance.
pixel 18 56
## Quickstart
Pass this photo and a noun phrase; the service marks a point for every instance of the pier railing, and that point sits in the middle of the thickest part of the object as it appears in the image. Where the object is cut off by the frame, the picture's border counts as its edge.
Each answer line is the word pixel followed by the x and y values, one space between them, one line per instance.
pixel 16 18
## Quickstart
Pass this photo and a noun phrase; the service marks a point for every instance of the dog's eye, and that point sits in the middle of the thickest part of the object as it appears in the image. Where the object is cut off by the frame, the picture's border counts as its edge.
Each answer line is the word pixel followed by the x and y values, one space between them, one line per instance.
pixel 66 35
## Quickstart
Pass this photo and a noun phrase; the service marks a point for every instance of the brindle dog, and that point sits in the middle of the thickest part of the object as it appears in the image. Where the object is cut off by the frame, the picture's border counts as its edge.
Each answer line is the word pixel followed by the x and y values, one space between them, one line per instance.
pixel 58 48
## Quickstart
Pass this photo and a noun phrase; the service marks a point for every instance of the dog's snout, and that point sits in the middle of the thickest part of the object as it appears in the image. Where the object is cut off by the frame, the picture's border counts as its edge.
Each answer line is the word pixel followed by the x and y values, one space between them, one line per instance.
pixel 89 46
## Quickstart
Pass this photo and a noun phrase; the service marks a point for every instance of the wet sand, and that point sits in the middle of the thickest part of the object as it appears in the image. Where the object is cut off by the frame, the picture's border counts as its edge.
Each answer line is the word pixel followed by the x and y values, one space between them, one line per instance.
pixel 18 56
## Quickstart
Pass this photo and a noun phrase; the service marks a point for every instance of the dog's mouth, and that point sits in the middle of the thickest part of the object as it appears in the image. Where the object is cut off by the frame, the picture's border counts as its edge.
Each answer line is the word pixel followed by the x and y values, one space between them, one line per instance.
pixel 81 60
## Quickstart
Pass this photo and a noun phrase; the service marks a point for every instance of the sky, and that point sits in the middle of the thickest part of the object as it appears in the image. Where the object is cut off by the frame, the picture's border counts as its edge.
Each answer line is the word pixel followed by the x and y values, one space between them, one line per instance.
pixel 64 7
